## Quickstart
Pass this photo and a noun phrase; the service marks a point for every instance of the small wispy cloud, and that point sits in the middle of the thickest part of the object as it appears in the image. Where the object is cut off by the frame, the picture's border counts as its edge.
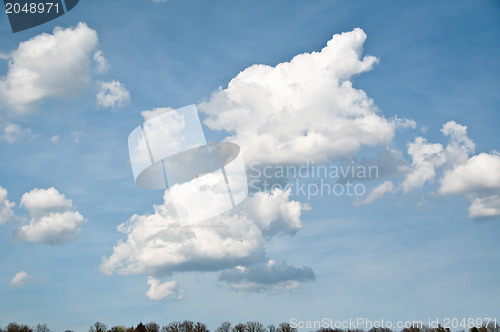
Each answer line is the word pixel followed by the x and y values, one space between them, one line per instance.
pixel 21 279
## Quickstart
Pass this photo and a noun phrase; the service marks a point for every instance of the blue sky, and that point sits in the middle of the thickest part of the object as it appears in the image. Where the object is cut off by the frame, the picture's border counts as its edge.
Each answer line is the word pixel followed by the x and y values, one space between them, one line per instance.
pixel 426 246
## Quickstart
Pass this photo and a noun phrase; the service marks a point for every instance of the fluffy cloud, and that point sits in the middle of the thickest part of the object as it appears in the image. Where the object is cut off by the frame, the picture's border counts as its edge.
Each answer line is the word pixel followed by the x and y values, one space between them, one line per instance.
pixel 480 173
pixel 112 94
pixel 479 179
pixel 458 171
pixel 459 147
pixel 270 277
pixel 305 109
pixel 156 245
pixel 159 291
pixel 20 279
pixel 53 219
pixel 273 212
pixel 485 207
pixel 48 65
pixel 13 133
pixel 6 213
pixel 101 62
pixel 427 157
pixel 476 176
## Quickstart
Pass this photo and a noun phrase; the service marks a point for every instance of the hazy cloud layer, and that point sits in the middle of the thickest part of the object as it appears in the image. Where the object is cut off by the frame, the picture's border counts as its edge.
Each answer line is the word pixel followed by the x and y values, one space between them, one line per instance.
pixel 270 277
pixel 12 133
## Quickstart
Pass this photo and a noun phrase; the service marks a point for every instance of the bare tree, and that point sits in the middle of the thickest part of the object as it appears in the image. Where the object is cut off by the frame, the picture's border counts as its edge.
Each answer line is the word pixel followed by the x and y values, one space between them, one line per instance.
pixel 490 327
pixel 172 327
pixel 187 326
pixel 380 329
pixel 152 327
pixel 14 327
pixel 98 327
pixel 224 327
pixel 42 328
pixel 327 329
pixel 255 327
pixel 411 329
pixel 239 328
pixel 285 327
pixel 200 327
pixel 118 328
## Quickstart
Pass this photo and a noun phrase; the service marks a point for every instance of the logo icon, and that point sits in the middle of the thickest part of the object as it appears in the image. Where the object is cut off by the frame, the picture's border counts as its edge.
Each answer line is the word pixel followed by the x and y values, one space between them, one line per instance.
pixel 204 179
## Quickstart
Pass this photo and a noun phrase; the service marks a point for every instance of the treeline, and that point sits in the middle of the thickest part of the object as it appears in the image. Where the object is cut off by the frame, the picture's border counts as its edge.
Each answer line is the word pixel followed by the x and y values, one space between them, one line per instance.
pixel 185 326
pixel 189 326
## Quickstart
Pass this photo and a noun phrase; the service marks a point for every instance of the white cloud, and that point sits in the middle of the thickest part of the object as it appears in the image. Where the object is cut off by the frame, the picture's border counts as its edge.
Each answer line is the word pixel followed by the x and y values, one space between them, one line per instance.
pixel 101 62
pixel 48 65
pixel 305 109
pixel 378 192
pixel 477 176
pixel 20 279
pixel 427 158
pixel 459 146
pixel 405 123
pixel 157 246
pixel 485 207
pixel 480 173
pixel 53 219
pixel 270 277
pixel 149 114
pixel 6 213
pixel 479 179
pixel 159 291
pixel 55 139
pixel 13 133
pixel 273 212
pixel 112 94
